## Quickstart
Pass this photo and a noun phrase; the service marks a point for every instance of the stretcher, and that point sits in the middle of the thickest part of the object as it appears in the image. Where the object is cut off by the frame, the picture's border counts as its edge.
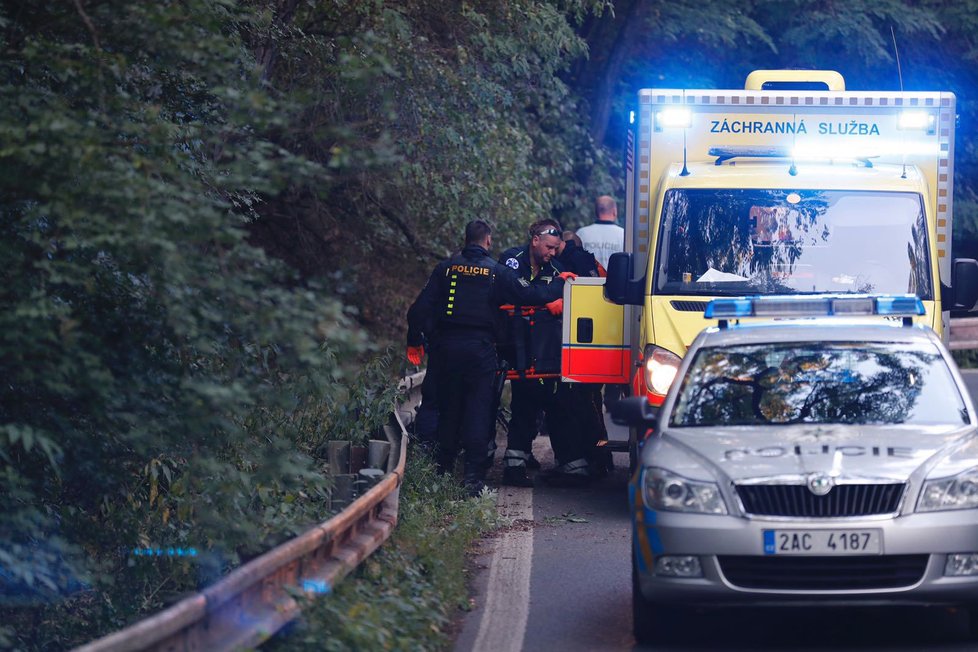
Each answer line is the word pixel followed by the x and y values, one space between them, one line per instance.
pixel 531 343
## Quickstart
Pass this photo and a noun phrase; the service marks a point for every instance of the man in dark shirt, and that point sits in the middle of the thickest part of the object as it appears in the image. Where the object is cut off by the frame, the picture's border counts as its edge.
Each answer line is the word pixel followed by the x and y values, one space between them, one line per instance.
pixel 535 265
pixel 460 304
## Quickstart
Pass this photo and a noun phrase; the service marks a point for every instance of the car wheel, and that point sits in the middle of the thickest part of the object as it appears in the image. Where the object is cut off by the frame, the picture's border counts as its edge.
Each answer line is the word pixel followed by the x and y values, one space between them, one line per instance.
pixel 652 623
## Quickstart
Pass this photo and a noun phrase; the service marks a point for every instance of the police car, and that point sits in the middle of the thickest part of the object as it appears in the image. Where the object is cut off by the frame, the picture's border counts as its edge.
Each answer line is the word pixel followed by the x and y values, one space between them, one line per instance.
pixel 829 461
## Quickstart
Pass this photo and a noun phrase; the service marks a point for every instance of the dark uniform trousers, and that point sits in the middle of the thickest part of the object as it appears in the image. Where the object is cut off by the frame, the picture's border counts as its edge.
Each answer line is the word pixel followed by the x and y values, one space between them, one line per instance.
pixel 467 365
pixel 529 397
pixel 577 424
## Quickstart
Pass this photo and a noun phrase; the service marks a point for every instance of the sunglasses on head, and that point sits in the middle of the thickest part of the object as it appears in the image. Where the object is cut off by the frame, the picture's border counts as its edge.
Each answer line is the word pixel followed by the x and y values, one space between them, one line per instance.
pixel 549 232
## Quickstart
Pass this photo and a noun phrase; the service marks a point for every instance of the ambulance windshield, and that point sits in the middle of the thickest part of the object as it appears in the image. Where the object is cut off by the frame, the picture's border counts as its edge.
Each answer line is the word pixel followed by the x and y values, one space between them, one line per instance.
pixel 756 241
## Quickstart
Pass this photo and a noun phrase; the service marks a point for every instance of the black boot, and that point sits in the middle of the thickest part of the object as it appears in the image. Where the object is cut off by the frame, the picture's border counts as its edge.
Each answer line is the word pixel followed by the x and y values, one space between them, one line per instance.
pixel 474 479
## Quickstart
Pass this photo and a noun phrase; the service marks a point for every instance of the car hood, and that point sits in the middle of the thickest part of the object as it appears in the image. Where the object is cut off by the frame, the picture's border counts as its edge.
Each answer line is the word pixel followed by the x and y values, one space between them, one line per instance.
pixel 745 454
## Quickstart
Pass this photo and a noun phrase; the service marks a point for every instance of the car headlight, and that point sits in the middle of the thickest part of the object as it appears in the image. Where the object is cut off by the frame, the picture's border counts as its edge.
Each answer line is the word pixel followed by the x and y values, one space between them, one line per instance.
pixel 670 492
pixel 660 369
pixel 956 492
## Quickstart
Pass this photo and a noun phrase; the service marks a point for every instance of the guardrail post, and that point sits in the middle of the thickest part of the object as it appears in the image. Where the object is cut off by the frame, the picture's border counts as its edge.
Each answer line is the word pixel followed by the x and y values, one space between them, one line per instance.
pixel 377 452
pixel 338 457
pixel 342 492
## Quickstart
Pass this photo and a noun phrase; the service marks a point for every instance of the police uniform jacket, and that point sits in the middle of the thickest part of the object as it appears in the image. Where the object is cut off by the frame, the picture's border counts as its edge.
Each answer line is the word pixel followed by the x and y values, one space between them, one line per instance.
pixel 518 260
pixel 578 260
pixel 463 295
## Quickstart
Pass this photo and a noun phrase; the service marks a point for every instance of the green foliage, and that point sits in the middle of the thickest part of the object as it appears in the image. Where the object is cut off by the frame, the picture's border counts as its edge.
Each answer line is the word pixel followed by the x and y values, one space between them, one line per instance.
pixel 140 330
pixel 966 358
pixel 405 595
pixel 425 115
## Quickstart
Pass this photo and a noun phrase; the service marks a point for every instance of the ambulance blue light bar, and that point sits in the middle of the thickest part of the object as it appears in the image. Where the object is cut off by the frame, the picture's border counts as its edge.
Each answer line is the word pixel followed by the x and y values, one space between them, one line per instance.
pixel 900 305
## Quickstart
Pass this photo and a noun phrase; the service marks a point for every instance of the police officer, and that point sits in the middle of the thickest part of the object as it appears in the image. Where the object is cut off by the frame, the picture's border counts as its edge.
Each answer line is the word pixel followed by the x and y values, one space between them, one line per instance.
pixel 604 238
pixel 534 263
pixel 461 300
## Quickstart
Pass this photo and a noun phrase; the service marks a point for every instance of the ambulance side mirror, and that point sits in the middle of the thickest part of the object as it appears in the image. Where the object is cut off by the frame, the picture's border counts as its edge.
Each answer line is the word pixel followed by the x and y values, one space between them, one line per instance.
pixel 619 287
pixel 964 283
pixel 634 411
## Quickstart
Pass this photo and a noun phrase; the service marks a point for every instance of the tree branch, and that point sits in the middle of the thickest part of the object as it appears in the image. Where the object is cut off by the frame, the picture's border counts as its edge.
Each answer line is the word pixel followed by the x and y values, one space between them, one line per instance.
pixel 88 24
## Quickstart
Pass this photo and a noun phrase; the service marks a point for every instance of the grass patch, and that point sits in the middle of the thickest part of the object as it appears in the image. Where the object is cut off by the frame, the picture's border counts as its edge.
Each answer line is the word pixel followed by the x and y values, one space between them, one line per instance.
pixel 405 596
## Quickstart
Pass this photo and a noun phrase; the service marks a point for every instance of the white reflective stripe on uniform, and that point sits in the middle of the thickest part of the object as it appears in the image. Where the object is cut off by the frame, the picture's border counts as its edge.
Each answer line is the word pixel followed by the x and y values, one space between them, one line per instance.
pixel 515 458
pixel 575 467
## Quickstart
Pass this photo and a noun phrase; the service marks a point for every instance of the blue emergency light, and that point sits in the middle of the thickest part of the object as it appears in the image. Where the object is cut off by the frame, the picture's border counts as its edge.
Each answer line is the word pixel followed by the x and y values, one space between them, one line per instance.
pixel 823 305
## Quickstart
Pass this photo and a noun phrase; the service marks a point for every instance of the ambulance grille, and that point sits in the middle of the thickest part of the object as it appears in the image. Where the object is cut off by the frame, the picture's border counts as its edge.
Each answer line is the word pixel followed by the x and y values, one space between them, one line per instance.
pixel 799 573
pixel 689 306
pixel 842 500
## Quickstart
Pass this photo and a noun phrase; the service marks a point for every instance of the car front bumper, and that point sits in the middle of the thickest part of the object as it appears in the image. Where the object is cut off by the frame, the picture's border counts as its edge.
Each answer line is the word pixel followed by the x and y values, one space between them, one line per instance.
pixel 730 547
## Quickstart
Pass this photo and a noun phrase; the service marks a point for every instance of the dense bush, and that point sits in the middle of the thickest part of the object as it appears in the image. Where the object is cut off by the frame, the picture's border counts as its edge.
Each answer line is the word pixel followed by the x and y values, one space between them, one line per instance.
pixel 143 339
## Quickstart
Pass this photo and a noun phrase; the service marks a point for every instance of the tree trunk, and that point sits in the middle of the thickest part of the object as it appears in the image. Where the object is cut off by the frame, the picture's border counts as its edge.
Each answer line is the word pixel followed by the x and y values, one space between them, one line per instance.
pixel 604 89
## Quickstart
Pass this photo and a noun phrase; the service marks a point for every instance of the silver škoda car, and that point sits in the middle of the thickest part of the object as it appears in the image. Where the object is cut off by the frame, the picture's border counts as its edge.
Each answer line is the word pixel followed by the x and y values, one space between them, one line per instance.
pixel 828 461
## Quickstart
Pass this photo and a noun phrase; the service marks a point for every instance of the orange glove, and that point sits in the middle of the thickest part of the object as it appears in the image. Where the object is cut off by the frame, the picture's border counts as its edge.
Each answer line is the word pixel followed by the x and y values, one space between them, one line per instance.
pixel 414 355
pixel 566 276
pixel 556 307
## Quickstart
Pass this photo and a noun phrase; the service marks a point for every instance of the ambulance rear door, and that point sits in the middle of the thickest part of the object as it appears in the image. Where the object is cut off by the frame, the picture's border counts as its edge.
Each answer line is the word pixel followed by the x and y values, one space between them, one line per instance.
pixel 596 341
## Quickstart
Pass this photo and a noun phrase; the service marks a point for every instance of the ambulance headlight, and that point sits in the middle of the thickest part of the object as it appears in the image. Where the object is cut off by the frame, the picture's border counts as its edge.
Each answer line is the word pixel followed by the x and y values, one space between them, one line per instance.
pixel 673 118
pixel 660 369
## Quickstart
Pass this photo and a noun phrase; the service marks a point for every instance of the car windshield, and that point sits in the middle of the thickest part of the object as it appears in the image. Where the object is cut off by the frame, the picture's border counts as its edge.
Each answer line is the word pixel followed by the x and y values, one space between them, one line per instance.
pixel 818 382
pixel 756 241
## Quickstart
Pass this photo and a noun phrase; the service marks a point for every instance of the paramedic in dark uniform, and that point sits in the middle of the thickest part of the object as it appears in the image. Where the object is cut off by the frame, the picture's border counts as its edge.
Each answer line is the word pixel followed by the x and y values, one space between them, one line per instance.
pixel 534 263
pixel 461 301
pixel 578 421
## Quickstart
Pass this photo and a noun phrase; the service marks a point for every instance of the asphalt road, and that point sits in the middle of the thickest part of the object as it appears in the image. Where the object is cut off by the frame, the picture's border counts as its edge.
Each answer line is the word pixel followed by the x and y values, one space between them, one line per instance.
pixel 559 579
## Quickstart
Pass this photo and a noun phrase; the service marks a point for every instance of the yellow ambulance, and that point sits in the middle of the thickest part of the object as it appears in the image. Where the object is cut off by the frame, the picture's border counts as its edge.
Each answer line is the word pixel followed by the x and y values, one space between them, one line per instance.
pixel 791 186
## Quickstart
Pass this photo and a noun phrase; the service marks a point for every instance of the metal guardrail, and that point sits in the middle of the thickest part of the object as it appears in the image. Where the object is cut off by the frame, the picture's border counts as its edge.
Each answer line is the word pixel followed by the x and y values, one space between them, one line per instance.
pixel 254 601
pixel 964 333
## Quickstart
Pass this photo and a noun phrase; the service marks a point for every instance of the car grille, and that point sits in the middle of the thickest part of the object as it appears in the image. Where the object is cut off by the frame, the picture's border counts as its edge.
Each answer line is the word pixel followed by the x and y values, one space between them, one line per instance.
pixel 798 500
pixel 823 573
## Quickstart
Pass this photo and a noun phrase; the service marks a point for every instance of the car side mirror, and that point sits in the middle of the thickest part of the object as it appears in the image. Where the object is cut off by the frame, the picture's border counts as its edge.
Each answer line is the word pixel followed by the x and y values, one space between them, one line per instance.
pixel 619 287
pixel 964 283
pixel 635 411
